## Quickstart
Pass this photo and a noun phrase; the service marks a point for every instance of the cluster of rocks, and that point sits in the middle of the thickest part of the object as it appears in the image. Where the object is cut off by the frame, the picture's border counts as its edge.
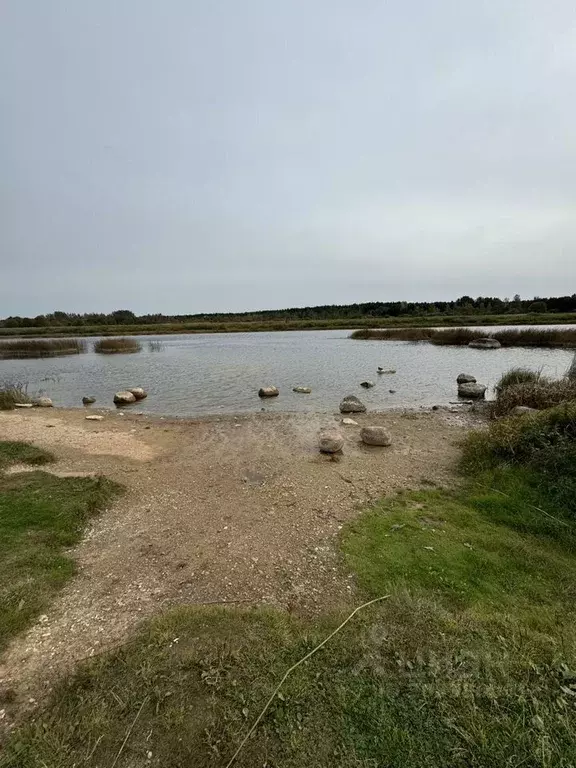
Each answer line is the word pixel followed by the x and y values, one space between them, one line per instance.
pixel 37 402
pixel 274 391
pixel 469 388
pixel 331 440
pixel 127 396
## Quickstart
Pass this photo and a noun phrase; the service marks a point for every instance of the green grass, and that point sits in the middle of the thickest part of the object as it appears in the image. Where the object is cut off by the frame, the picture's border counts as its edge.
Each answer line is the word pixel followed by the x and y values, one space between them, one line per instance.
pixel 22 453
pixel 471 662
pixel 41 516
pixel 517 376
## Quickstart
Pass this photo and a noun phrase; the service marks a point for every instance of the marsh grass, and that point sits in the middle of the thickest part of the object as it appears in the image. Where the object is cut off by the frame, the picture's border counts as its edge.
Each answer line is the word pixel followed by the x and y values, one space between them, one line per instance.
pixel 521 337
pixel 155 345
pixel 121 345
pixel 12 392
pixel 540 393
pixel 517 376
pixel 23 348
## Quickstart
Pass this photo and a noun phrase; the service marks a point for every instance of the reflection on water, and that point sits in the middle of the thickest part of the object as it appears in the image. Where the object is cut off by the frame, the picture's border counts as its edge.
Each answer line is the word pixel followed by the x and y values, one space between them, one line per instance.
pixel 221 373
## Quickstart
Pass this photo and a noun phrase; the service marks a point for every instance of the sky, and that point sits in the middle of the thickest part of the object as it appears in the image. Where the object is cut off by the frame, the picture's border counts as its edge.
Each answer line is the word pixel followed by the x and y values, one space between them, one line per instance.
pixel 192 156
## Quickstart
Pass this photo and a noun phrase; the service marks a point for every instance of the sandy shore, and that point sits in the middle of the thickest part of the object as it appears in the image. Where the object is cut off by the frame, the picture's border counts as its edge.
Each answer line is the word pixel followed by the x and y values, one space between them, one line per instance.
pixel 220 509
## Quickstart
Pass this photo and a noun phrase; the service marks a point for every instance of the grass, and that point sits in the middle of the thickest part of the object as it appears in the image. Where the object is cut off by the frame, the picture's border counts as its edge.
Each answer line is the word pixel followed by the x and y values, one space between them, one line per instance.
pixel 517 376
pixel 12 392
pixel 524 337
pixel 40 348
pixel 154 345
pixel 540 393
pixel 41 517
pixel 571 372
pixel 120 345
pixel 346 323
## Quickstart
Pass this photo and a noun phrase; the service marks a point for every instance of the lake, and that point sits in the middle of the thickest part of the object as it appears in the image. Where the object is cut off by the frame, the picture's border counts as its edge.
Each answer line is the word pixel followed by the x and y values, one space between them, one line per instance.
pixel 221 373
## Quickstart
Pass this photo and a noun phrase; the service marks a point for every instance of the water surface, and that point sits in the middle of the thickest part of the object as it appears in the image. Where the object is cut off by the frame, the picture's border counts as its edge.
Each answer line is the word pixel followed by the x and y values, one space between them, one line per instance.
pixel 221 373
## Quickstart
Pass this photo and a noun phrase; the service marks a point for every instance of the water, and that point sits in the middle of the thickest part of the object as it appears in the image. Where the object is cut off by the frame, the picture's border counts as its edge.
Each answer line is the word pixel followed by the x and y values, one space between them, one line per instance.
pixel 221 373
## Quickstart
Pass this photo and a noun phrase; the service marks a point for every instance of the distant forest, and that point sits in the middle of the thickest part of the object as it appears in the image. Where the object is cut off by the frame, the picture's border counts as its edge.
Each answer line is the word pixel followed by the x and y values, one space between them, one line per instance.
pixel 466 305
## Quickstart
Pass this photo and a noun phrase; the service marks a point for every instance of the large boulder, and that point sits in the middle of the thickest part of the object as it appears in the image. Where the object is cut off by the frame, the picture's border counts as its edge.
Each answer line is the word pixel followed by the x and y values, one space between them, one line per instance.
pixel 138 392
pixel 351 404
pixel 43 402
pixel 375 436
pixel 302 390
pixel 124 398
pixel 471 390
pixel 88 400
pixel 268 392
pixel 485 343
pixel 330 441
pixel 466 378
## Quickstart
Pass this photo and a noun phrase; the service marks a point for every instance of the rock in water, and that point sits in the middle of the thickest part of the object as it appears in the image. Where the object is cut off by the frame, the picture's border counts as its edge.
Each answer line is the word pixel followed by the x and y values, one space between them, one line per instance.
pixel 43 402
pixel 138 392
pixel 471 390
pixel 382 370
pixel 268 392
pixel 124 398
pixel 302 390
pixel 466 378
pixel 367 384
pixel 520 410
pixel 330 441
pixel 485 344
pixel 88 400
pixel 351 404
pixel 375 436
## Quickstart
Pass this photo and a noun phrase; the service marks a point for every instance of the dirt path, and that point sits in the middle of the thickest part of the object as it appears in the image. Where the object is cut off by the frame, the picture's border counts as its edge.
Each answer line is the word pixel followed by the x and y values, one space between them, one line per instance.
pixel 224 509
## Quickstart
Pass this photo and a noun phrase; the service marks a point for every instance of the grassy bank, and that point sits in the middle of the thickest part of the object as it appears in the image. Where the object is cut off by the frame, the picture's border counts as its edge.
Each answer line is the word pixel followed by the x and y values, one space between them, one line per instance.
pixel 23 348
pixel 470 663
pixel 41 516
pixel 524 337
pixel 347 323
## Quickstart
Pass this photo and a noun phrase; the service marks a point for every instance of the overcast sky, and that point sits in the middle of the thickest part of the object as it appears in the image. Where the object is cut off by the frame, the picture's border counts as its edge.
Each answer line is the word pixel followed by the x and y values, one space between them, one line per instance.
pixel 188 156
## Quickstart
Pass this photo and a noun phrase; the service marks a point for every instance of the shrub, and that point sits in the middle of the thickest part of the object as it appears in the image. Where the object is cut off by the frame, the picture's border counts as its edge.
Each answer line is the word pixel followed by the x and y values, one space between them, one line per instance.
pixel 117 346
pixel 41 348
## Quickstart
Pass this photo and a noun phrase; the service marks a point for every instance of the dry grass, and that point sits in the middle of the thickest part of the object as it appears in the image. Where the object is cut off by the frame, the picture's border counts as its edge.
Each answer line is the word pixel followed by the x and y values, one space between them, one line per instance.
pixel 21 348
pixel 119 345
pixel 540 393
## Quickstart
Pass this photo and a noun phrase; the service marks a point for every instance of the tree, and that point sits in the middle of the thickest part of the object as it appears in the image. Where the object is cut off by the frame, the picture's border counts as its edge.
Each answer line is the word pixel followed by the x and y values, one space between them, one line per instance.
pixel 538 306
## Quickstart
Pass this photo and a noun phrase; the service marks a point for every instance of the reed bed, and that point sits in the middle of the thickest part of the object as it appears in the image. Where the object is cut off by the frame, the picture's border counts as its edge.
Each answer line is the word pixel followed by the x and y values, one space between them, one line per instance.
pixel 116 346
pixel 22 348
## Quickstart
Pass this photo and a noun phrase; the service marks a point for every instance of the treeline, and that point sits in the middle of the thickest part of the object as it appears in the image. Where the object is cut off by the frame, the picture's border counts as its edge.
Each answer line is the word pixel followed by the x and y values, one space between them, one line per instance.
pixel 465 305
